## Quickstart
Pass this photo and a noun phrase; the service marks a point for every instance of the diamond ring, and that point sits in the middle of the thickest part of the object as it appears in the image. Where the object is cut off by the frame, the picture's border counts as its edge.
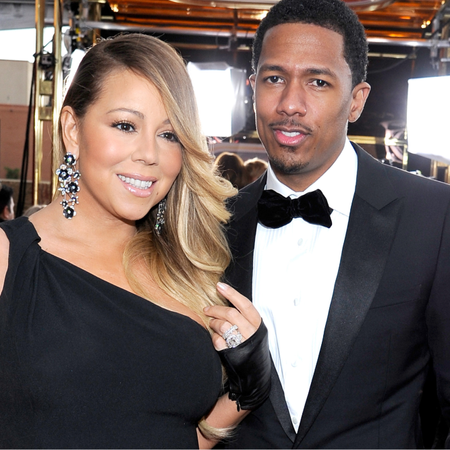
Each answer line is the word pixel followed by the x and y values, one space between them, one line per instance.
pixel 232 339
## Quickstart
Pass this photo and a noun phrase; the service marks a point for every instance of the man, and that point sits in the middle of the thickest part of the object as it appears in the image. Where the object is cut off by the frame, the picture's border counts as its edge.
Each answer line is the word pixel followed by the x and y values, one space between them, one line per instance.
pixel 357 303
pixel 6 203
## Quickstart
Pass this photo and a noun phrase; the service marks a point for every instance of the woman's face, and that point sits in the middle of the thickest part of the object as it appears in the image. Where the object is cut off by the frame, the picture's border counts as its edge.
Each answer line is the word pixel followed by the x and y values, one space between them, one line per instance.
pixel 128 154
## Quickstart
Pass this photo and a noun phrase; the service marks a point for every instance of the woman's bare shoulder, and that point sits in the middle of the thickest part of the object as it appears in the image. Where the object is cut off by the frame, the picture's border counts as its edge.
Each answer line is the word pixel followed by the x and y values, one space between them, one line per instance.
pixel 4 255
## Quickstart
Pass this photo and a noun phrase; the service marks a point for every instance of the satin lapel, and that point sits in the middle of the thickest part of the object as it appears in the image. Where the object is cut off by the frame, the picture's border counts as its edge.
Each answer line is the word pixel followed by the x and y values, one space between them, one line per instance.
pixel 241 237
pixel 371 229
pixel 279 405
pixel 241 233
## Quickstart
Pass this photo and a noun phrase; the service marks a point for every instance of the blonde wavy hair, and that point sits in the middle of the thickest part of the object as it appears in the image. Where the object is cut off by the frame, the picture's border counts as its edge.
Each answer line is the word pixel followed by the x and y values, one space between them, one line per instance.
pixel 190 255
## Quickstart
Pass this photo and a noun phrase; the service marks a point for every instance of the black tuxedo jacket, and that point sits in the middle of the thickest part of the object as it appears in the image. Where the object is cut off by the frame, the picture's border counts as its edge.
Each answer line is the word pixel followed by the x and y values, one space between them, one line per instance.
pixel 389 318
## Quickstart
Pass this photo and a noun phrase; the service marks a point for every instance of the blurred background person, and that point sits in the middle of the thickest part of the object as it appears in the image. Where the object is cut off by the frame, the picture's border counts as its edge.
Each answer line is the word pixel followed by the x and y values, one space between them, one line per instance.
pixel 6 203
pixel 231 167
pixel 254 167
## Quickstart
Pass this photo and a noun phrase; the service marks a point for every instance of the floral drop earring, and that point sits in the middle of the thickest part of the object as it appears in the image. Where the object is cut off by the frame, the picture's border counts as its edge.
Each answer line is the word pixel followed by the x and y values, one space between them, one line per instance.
pixel 160 219
pixel 68 185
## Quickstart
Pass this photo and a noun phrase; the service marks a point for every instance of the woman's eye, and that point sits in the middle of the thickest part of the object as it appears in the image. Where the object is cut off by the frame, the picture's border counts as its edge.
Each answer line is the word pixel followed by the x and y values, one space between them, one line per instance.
pixel 172 137
pixel 124 126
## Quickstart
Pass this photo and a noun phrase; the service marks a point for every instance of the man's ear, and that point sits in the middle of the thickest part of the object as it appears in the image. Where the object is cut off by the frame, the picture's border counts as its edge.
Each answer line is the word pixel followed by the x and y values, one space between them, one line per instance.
pixel 360 93
pixel 70 131
pixel 252 79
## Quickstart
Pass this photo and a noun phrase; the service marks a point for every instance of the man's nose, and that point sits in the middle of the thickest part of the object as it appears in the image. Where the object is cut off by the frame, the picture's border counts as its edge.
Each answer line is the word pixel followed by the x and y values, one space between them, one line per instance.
pixel 293 100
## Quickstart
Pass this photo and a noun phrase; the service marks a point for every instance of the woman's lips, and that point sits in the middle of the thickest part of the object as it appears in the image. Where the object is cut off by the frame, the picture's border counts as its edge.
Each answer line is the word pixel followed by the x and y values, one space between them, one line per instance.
pixel 139 184
pixel 138 187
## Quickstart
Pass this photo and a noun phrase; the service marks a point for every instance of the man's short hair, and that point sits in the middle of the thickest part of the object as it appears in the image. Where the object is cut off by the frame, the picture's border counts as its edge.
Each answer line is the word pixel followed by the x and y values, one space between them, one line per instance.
pixel 332 14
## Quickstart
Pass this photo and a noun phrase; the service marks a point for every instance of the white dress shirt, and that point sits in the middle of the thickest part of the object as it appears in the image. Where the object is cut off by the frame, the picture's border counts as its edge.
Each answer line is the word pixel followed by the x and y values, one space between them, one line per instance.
pixel 295 269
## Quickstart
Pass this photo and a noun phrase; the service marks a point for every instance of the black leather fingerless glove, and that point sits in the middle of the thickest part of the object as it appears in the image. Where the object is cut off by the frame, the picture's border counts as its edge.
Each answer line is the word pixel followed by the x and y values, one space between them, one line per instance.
pixel 248 367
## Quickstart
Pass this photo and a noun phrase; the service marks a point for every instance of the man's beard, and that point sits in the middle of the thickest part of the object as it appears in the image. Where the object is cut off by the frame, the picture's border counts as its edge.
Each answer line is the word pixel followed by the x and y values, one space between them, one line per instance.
pixel 285 166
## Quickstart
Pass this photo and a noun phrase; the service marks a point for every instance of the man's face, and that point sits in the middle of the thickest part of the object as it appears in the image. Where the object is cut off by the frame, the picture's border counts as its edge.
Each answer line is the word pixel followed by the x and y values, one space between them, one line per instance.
pixel 303 100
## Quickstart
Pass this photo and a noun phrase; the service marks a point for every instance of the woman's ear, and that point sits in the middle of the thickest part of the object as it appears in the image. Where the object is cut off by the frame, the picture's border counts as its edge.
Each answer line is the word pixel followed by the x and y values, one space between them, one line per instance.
pixel 70 131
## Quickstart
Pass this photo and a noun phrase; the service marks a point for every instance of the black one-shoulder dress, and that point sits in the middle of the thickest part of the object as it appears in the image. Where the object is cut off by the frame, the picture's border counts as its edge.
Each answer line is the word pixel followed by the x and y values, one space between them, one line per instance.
pixel 86 364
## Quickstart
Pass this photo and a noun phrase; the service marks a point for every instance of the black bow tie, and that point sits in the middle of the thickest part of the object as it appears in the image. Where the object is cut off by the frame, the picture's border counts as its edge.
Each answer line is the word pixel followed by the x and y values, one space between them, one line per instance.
pixel 275 211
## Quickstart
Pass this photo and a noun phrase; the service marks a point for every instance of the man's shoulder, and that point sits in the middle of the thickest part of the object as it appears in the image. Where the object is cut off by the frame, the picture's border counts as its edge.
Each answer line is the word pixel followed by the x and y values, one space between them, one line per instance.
pixel 247 198
pixel 378 175
pixel 415 182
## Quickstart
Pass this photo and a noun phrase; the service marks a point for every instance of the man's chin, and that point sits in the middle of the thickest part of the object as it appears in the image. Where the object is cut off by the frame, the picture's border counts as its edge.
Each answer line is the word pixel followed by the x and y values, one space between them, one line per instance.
pixel 282 167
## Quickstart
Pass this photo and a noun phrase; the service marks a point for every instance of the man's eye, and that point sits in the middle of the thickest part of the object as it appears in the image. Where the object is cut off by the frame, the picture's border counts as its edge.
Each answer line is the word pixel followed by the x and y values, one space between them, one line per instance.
pixel 273 79
pixel 320 83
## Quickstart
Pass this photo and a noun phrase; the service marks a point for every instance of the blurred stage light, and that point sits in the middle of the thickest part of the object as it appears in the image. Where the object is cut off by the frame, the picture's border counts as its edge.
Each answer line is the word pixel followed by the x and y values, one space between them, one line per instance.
pixel 427 117
pixel 220 92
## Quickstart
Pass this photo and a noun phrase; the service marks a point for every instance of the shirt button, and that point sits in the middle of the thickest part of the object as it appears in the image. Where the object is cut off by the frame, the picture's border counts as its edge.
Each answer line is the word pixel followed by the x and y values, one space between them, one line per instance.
pixel 300 242
pixel 297 301
pixel 294 363
pixel 295 420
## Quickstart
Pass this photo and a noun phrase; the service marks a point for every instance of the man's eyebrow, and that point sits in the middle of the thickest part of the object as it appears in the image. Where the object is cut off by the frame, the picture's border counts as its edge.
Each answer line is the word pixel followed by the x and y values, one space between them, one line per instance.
pixel 271 68
pixel 310 70
pixel 131 111
pixel 320 71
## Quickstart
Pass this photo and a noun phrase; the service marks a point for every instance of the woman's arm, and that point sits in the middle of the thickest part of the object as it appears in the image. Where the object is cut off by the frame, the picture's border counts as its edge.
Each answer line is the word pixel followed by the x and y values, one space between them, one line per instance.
pixel 4 256
pixel 223 415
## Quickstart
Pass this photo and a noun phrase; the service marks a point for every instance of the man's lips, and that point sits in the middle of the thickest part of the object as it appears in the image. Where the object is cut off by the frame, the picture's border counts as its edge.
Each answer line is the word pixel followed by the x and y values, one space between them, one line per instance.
pixel 289 132
pixel 289 137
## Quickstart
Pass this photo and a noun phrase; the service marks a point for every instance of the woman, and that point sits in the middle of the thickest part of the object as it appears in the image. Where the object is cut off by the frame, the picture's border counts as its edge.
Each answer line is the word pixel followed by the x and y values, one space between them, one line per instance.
pixel 104 340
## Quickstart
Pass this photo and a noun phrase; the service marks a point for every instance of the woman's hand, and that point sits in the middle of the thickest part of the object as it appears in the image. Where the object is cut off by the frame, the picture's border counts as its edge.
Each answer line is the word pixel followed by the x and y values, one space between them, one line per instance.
pixel 244 315
pixel 246 358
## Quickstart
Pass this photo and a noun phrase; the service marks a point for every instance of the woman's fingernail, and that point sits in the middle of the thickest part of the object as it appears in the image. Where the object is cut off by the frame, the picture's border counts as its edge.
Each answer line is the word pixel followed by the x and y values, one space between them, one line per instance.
pixel 221 286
